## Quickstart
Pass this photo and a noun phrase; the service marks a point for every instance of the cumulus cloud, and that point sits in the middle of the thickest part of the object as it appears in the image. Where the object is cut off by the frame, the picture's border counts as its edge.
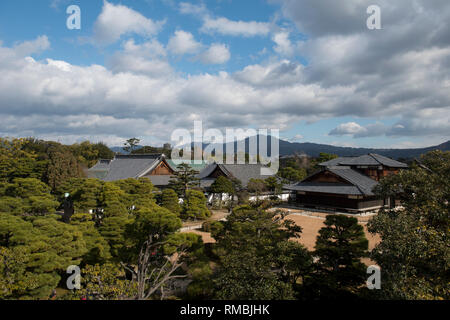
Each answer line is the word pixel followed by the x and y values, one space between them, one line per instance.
pixel 283 46
pixel 189 8
pixel 148 58
pixel 183 42
pixel 225 26
pixel 217 53
pixel 117 20
pixel 400 72
pixel 35 46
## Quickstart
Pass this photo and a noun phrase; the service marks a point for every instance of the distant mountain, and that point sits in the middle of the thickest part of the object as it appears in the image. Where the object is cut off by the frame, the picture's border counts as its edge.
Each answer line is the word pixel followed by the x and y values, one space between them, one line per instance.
pixel 314 149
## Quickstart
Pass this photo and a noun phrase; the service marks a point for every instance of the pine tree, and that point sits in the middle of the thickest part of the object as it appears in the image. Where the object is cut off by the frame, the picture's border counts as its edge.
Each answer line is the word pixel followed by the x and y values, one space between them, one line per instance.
pixel 220 186
pixel 183 179
pixel 339 248
pixel 98 250
pixel 194 207
pixel 169 200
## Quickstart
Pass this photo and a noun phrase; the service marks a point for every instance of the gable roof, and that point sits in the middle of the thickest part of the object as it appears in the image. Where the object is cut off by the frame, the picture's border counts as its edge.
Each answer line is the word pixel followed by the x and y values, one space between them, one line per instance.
pixel 242 172
pixel 125 166
pixel 371 159
pixel 359 184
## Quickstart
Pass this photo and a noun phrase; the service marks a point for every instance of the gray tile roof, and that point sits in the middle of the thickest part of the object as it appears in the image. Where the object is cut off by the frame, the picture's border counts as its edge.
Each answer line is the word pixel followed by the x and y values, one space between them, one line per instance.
pixel 362 182
pixel 319 187
pixel 242 172
pixel 158 181
pixel 371 159
pixel 334 162
pixel 359 184
pixel 124 167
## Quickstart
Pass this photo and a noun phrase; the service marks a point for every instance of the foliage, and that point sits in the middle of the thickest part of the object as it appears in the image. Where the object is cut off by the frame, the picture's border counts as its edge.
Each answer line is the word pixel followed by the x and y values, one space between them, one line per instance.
pixel 15 162
pixel 273 185
pixel 194 206
pixel 15 280
pixel 183 179
pixel 138 192
pixel 156 221
pixel 45 247
pixel 105 282
pixel 220 186
pixel 26 195
pixel 86 194
pixel 339 248
pixel 131 144
pixel 256 186
pixel 291 175
pixel 88 153
pixel 414 254
pixel 98 250
pixel 248 250
pixel 169 200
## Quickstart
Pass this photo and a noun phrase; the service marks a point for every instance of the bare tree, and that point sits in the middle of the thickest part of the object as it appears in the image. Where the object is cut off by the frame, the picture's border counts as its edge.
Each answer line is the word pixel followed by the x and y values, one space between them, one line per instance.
pixel 150 273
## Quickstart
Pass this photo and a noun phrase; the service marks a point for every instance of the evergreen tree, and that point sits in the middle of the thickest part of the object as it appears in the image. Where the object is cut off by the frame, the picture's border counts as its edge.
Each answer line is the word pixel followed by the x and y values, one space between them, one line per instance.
pixel 26 195
pixel 339 248
pixel 15 162
pixel 250 264
pixel 98 250
pixel 62 166
pixel 47 247
pixel 194 206
pixel 220 186
pixel 131 144
pixel 183 179
pixel 413 253
pixel 169 200
pixel 138 192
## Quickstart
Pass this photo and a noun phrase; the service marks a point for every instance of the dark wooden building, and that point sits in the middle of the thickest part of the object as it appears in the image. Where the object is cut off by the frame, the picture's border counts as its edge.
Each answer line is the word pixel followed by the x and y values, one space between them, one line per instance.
pixel 346 184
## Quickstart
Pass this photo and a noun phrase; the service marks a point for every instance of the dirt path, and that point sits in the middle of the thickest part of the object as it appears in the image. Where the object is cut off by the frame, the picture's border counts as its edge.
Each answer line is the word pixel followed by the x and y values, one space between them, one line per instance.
pixel 216 216
pixel 311 226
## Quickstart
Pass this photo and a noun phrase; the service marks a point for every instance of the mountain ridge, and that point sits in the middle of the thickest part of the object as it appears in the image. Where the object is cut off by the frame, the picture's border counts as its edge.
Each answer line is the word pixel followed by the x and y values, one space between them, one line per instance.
pixel 314 149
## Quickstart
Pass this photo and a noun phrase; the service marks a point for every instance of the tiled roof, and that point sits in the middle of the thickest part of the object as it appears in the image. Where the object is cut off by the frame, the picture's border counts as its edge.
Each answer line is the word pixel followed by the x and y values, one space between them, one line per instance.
pixel 162 180
pixel 242 172
pixel 124 167
pixel 359 184
pixel 320 187
pixel 371 159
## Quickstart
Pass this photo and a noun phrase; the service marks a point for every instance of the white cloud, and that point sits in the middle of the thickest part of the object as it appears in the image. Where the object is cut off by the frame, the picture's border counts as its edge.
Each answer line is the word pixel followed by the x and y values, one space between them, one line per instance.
pixel 235 28
pixel 117 20
pixel 217 53
pixel 35 46
pixel 400 74
pixel 283 44
pixel 183 42
pixel 189 8
pixel 148 58
pixel 347 128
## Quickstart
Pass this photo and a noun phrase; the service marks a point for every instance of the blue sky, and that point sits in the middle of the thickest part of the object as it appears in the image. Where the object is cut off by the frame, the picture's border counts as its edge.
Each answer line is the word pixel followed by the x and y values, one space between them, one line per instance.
pixel 146 67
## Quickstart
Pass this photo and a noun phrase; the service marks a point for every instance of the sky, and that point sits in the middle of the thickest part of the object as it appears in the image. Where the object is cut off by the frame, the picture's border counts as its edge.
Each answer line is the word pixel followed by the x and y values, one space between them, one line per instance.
pixel 310 68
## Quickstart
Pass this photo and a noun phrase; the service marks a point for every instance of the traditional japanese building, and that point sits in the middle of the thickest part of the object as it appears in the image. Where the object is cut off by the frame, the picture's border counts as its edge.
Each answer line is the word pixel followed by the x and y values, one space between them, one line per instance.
pixel 346 184
pixel 242 172
pixel 152 166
